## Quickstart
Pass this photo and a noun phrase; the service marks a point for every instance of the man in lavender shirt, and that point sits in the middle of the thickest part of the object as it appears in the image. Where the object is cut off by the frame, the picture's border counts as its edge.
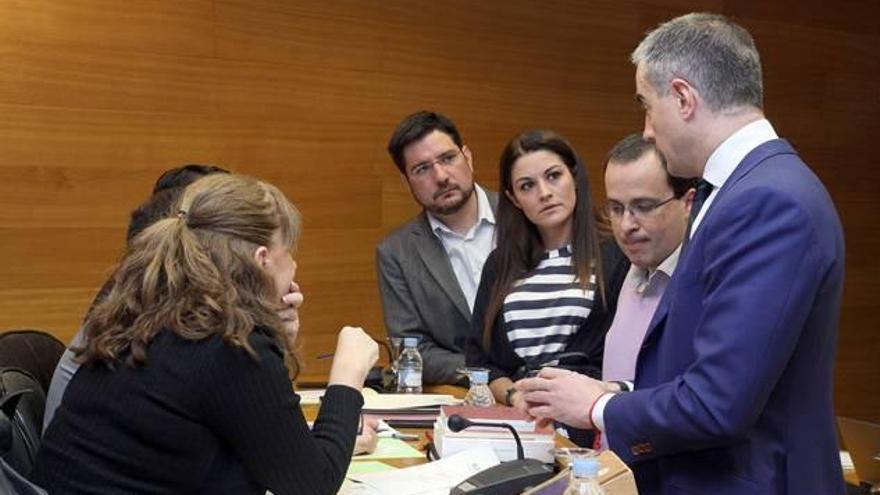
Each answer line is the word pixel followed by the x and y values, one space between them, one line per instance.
pixel 648 209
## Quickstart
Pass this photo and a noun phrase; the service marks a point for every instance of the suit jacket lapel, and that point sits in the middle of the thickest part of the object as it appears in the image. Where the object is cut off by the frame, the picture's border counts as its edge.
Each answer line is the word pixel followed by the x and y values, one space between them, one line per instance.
pixel 493 200
pixel 434 256
pixel 660 313
pixel 749 162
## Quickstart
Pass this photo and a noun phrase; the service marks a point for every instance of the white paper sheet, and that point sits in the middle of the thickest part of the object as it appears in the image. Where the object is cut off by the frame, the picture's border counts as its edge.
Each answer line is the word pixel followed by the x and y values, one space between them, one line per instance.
pixel 433 478
pixel 310 397
pixel 395 402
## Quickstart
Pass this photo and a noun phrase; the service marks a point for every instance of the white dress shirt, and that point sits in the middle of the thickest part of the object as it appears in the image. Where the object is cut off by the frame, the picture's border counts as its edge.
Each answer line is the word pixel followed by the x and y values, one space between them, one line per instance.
pixel 723 161
pixel 467 253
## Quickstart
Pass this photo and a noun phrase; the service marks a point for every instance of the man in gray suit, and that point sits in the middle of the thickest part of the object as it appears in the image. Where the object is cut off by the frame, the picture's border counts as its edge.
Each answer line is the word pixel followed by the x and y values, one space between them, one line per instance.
pixel 429 268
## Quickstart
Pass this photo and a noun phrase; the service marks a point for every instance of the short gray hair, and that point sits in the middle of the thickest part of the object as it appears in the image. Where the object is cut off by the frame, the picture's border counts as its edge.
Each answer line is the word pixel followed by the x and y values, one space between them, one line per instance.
pixel 713 54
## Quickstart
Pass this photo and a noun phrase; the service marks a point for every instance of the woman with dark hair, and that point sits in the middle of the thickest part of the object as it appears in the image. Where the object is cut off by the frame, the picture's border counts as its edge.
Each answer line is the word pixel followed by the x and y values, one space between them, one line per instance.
pixel 550 287
pixel 183 386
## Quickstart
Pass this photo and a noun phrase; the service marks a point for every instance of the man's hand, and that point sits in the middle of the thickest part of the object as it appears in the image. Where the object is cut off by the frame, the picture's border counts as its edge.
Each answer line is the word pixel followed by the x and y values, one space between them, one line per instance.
pixel 561 395
pixel 290 314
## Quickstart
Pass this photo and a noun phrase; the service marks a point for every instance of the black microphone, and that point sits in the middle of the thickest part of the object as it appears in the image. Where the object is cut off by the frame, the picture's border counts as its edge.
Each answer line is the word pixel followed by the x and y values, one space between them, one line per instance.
pixel 458 422
pixel 505 478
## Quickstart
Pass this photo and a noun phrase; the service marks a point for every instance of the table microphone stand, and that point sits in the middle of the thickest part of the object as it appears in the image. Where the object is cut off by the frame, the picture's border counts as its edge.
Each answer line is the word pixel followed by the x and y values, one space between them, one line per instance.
pixel 505 478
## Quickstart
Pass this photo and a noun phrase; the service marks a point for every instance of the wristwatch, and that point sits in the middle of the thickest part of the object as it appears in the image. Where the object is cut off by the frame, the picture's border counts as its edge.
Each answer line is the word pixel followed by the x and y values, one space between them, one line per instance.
pixel 624 387
pixel 508 396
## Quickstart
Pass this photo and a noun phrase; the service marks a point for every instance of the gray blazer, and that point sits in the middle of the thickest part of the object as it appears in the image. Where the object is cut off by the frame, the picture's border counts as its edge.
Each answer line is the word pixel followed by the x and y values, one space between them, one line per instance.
pixel 421 296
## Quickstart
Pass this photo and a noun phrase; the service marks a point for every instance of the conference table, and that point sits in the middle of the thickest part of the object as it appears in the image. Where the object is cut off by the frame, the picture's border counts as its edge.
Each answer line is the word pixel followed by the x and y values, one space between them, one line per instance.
pixel 616 478
pixel 421 443
pixel 311 411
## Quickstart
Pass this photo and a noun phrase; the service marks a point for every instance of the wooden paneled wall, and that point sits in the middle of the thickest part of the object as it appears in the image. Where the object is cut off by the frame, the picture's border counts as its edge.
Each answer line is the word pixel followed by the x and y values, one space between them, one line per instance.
pixel 97 97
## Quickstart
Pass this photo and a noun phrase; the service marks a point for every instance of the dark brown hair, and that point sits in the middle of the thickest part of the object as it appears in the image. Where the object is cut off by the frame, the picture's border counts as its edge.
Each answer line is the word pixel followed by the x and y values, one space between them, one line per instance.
pixel 416 126
pixel 633 147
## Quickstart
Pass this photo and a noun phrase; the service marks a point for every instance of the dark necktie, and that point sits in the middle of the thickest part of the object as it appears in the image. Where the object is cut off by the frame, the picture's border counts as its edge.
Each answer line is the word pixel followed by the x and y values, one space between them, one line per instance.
pixel 704 189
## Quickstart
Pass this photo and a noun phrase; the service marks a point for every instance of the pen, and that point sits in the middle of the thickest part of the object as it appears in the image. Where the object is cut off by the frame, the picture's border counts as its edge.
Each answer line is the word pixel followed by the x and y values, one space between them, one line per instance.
pixel 385 431
pixel 381 426
pixel 405 436
pixel 325 356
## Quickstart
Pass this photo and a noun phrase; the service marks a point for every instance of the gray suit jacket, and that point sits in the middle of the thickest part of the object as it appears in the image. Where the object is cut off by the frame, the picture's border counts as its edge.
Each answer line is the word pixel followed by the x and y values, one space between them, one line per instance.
pixel 421 296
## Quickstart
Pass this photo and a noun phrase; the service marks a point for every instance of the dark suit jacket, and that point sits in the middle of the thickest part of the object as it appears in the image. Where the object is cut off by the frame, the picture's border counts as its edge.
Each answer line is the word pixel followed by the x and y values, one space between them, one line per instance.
pixel 421 296
pixel 734 379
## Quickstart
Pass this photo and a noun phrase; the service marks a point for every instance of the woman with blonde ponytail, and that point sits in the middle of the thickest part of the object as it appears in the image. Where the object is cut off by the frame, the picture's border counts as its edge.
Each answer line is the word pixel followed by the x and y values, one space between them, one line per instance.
pixel 183 386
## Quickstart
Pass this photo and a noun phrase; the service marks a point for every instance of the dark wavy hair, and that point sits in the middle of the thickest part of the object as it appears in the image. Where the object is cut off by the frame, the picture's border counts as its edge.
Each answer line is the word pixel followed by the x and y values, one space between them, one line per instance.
pixel 519 245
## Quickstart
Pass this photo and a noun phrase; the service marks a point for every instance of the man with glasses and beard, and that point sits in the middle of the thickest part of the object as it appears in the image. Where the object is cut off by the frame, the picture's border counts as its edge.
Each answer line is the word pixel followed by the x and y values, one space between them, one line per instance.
pixel 429 268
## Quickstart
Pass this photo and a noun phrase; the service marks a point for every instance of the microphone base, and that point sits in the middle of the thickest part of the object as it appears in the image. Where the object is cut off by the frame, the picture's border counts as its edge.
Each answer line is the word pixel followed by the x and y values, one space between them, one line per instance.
pixel 505 478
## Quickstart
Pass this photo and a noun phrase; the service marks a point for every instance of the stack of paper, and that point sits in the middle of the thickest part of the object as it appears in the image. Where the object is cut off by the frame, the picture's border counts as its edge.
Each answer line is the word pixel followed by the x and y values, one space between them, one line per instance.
pixel 538 443
pixel 406 402
pixel 407 410
pixel 375 402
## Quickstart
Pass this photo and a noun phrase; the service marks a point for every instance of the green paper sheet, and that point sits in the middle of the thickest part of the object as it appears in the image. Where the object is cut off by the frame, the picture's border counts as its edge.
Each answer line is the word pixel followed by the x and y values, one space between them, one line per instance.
pixel 390 448
pixel 363 467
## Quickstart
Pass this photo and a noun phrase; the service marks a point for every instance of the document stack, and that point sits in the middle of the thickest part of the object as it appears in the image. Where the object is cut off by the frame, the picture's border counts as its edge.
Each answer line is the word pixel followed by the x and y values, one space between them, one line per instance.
pixel 538 443
pixel 406 410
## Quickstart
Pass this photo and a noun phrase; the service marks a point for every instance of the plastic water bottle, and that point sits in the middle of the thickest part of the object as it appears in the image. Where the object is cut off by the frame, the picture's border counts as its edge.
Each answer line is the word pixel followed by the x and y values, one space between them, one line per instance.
pixel 409 368
pixel 584 477
pixel 479 393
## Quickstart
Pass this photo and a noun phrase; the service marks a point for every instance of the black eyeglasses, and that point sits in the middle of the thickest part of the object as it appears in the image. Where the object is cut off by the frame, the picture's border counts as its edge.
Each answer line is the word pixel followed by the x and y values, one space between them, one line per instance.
pixel 640 209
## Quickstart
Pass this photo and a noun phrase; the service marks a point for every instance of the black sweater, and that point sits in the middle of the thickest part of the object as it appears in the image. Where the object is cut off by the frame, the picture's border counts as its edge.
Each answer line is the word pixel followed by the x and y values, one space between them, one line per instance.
pixel 200 417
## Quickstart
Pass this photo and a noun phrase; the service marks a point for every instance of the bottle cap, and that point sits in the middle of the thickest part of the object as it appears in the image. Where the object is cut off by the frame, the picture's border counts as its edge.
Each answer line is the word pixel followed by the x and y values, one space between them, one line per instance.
pixel 410 342
pixel 585 466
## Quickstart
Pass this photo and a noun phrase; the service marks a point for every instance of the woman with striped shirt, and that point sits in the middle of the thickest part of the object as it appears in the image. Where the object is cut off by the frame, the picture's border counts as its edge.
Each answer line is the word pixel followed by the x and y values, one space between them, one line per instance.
pixel 551 285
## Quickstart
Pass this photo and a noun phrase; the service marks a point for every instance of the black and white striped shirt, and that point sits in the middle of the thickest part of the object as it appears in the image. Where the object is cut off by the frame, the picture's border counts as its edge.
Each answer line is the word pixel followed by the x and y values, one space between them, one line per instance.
pixel 544 310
